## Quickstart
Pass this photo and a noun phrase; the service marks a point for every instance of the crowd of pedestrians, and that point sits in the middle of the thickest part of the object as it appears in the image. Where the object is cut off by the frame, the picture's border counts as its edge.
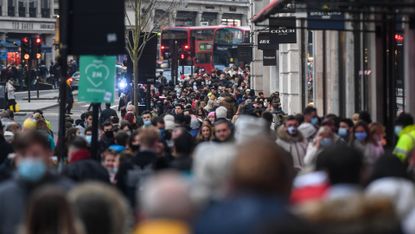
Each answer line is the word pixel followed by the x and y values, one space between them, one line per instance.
pixel 211 156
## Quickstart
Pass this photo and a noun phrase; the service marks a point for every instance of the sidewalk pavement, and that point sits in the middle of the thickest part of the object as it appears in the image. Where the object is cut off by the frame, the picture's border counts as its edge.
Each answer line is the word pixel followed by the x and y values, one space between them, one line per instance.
pixel 26 106
pixel 45 101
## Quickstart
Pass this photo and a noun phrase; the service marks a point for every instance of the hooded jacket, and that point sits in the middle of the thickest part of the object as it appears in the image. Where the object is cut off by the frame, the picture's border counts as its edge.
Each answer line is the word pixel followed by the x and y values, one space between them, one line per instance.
pixel 296 145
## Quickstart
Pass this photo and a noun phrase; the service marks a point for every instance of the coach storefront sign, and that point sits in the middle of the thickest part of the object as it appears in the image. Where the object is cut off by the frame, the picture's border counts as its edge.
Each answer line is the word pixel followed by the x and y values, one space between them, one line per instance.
pixel 269 57
pixel 264 42
pixel 282 30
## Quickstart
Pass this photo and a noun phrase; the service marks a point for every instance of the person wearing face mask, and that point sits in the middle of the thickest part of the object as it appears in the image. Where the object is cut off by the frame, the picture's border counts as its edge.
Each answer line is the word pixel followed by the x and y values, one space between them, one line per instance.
pixel 310 116
pixel 323 140
pixel 147 117
pixel 33 161
pixel 345 130
pixel 290 139
pixel 107 137
pixel 365 143
pixel 405 131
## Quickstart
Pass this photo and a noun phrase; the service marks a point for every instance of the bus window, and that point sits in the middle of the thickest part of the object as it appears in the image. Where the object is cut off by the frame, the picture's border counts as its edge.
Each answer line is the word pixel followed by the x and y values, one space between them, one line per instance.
pixel 203 58
pixel 203 34
pixel 229 36
pixel 174 35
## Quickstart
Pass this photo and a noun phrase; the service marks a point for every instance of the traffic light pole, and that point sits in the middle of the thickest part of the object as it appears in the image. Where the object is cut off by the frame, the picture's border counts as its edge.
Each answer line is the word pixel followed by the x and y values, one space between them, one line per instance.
pixel 63 53
pixel 29 68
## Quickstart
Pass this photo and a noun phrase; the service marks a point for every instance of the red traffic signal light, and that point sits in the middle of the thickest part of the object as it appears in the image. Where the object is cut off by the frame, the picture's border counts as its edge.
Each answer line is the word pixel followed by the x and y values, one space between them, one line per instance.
pixel 26 56
pixel 25 40
pixel 182 56
pixel 186 47
pixel 38 41
pixel 399 38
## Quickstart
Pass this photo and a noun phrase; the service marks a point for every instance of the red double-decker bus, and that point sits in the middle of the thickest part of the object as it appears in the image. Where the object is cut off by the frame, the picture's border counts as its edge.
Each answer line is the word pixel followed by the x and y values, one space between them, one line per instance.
pixel 206 47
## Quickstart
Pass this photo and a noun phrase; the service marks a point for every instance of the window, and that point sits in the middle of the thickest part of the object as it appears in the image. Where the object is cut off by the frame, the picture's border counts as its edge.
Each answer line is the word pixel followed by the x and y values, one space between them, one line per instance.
pixel 45 8
pixel 229 36
pixel 203 34
pixel 22 8
pixel 11 6
pixel 32 8
pixel 203 58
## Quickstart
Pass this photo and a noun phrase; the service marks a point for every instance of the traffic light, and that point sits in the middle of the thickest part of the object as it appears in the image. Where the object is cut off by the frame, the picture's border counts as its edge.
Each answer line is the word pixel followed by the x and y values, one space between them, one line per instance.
pixel 25 48
pixel 37 47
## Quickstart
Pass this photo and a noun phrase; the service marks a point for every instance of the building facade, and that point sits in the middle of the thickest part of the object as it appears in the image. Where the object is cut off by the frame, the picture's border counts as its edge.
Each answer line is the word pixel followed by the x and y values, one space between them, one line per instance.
pixel 26 18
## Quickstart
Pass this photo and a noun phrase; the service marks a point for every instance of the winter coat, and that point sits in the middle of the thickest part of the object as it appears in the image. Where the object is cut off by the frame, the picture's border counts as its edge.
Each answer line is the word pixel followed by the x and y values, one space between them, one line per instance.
pixel 370 151
pixel 10 89
pixel 295 145
pixel 86 170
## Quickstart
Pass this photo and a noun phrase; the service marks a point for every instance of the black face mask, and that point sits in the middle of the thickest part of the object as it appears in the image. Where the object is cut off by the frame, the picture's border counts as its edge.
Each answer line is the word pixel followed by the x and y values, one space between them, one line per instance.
pixel 109 134
pixel 135 147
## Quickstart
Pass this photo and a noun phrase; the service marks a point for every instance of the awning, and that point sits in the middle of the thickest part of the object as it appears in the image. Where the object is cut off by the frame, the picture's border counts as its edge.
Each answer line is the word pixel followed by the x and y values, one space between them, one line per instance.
pixel 265 12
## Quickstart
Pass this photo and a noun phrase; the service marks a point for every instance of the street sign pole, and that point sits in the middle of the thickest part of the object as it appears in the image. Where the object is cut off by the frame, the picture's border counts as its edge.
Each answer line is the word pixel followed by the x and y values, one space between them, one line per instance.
pixel 94 142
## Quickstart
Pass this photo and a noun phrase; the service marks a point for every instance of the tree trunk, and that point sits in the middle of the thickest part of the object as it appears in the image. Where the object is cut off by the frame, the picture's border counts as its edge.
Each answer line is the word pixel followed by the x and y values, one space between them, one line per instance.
pixel 135 84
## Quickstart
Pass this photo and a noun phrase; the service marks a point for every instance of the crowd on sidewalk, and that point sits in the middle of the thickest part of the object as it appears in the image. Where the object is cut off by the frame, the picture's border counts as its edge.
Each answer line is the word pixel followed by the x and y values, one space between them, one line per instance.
pixel 211 156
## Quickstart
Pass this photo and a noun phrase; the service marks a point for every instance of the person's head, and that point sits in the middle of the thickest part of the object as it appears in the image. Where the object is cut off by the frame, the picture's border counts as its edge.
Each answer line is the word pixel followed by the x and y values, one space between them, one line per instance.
pixel 345 128
pixel 377 132
pixel 183 144
pixel 364 116
pixel 291 125
pixel 108 105
pixel 343 164
pixel 13 127
pixel 361 132
pixel 109 159
pixel 147 117
pixel 49 211
pixel 221 112
pixel 355 118
pixel 130 118
pixel 326 136
pixel 212 164
pixel 205 132
pixel 269 173
pixel 125 126
pixel 310 115
pixel 212 117
pixel 404 120
pixel 88 119
pixel 78 149
pixel 135 142
pixel 179 109
pixel 33 155
pixel 100 208
pixel 107 129
pixel 149 138
pixel 166 196
pixel 88 131
pixel 223 130
pixel 122 138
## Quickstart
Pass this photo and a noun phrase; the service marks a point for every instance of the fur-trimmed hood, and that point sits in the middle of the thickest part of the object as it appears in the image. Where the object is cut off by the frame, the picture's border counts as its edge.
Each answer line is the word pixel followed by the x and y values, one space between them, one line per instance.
pixel 282 134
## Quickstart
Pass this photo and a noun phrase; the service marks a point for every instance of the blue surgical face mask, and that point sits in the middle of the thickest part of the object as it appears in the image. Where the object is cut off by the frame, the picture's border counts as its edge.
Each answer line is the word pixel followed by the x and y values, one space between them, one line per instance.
pixel 361 136
pixel 326 142
pixel 88 139
pixel 314 121
pixel 343 132
pixel 31 170
pixel 147 123
pixel 398 129
pixel 292 130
